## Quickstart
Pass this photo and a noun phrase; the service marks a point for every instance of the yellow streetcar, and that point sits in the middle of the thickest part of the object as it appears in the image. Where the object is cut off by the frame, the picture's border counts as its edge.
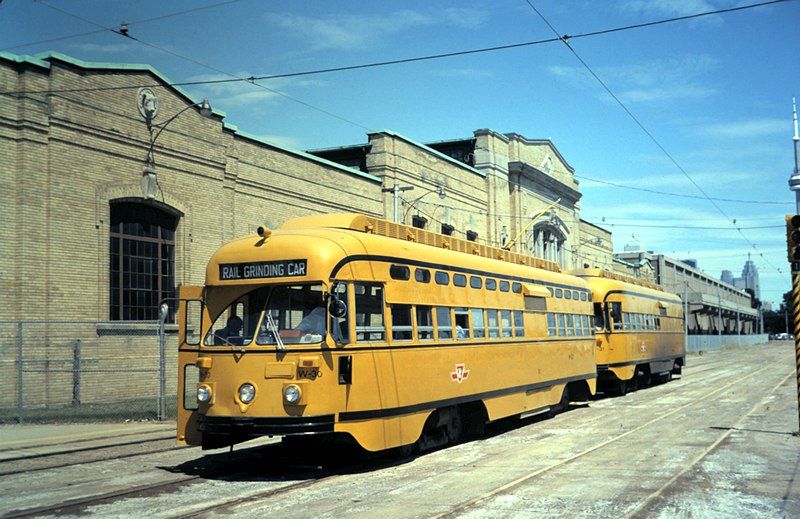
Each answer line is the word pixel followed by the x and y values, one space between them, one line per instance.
pixel 347 325
pixel 640 331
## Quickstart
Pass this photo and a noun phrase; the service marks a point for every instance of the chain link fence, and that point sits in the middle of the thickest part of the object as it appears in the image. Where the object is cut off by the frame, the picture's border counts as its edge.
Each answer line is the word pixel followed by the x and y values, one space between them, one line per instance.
pixel 68 371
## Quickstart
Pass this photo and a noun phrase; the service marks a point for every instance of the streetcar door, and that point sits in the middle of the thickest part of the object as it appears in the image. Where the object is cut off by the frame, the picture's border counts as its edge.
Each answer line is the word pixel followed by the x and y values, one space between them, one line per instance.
pixel 190 324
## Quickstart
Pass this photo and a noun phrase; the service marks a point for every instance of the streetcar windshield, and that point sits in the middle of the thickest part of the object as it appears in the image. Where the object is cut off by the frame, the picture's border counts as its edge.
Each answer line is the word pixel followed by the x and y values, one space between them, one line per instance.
pixel 296 314
pixel 237 324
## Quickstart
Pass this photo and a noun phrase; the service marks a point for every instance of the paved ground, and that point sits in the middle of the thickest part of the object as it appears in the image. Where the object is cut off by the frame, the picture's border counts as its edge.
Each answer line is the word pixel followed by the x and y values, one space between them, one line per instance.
pixel 717 443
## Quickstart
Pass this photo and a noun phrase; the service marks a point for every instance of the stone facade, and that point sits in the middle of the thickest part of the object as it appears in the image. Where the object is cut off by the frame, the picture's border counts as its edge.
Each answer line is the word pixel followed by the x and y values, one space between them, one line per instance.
pixel 596 246
pixel 495 184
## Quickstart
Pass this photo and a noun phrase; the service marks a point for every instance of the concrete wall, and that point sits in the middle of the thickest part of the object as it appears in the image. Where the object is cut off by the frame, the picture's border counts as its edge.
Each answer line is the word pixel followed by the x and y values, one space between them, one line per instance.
pixel 716 342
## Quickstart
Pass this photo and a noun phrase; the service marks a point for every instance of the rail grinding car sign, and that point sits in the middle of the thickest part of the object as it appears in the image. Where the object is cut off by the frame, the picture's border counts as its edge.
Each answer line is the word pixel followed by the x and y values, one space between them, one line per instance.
pixel 263 269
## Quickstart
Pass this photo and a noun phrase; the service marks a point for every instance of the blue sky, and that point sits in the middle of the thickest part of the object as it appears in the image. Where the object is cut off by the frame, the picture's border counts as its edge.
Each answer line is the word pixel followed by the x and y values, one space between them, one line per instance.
pixel 716 92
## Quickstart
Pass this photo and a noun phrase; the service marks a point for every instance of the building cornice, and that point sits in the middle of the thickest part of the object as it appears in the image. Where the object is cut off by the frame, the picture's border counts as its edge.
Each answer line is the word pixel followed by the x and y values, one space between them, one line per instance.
pixel 301 154
pixel 545 180
pixel 430 150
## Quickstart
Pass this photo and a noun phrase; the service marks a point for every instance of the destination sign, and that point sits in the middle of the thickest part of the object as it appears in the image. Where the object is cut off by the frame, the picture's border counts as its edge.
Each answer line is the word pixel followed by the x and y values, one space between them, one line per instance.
pixel 263 269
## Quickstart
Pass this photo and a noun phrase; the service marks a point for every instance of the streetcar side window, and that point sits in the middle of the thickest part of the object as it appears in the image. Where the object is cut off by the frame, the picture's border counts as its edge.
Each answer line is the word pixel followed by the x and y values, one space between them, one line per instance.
pixel 401 322
pixel 478 324
pixel 551 325
pixel 583 296
pixel 422 275
pixel 519 324
pixel 516 287
pixel 442 278
pixel 615 314
pixel 369 312
pixel 505 320
pixel 658 323
pixel 424 323
pixel 444 323
pixel 504 286
pixel 559 292
pixel 570 324
pixel 599 317
pixel 491 320
pixel 491 284
pixel 193 323
pixel 459 280
pixel 561 327
pixel 191 376
pixel 400 272
pixel 586 325
pixel 627 325
pixel 475 282
pixel 462 323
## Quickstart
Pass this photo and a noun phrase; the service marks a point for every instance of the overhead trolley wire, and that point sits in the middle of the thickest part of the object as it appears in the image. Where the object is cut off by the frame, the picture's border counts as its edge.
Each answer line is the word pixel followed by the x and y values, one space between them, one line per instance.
pixel 114 29
pixel 647 132
pixel 681 195
pixel 390 62
pixel 212 68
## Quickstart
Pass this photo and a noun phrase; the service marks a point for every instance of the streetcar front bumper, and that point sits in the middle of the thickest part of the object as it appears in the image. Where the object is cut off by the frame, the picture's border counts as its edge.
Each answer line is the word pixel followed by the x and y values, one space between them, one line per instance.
pixel 244 426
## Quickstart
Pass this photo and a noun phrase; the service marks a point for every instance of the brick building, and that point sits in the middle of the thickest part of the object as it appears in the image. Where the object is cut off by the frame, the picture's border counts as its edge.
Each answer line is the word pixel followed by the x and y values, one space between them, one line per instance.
pixel 80 240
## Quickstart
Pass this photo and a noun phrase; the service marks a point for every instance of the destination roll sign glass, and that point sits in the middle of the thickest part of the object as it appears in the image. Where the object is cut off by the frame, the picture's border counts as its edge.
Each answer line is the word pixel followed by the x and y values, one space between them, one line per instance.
pixel 263 269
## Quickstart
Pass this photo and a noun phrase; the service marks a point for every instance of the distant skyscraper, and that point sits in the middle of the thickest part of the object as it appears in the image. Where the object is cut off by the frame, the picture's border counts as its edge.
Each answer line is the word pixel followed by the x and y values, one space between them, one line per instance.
pixel 749 277
pixel 727 277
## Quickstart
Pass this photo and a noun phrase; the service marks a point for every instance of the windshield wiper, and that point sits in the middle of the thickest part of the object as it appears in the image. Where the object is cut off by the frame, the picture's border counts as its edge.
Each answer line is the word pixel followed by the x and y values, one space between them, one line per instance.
pixel 274 329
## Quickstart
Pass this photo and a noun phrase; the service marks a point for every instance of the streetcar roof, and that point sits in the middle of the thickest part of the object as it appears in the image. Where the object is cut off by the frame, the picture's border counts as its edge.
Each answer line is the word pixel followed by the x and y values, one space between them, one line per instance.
pixel 603 282
pixel 321 247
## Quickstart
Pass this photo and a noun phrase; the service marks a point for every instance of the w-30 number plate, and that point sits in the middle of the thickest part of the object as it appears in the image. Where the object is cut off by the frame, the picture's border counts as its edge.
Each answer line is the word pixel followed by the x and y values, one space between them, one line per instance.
pixel 263 269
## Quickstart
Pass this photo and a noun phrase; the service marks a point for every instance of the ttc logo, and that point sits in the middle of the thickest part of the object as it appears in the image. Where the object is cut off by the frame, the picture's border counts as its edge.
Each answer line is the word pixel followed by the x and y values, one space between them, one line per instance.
pixel 460 374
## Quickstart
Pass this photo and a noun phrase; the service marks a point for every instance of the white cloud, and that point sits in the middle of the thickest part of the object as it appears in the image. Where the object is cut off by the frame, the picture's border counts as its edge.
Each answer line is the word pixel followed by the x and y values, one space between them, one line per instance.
pixel 242 93
pixel 675 182
pixel 654 80
pixel 676 8
pixel 352 31
pixel 745 129
pixel 669 7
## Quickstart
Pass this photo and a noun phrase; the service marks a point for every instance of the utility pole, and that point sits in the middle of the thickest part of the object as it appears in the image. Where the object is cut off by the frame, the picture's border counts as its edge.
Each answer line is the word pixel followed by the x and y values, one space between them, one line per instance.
pixel 685 312
pixel 719 312
pixel 395 190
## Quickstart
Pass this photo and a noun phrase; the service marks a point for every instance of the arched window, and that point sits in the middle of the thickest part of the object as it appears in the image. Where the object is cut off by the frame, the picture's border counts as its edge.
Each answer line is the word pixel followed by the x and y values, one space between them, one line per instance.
pixel 547 242
pixel 142 260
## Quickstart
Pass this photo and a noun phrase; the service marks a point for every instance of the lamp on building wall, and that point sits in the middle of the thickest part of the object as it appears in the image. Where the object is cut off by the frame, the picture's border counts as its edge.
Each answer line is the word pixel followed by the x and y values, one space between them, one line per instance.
pixel 148 107
pixel 440 192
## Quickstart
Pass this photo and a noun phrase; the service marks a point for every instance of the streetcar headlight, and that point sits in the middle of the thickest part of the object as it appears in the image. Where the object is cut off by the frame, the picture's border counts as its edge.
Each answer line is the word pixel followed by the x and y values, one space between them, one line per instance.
pixel 247 392
pixel 292 394
pixel 203 394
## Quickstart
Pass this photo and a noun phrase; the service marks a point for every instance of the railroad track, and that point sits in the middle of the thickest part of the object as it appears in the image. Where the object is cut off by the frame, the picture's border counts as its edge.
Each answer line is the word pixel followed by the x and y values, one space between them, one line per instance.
pixel 53 460
pixel 508 487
